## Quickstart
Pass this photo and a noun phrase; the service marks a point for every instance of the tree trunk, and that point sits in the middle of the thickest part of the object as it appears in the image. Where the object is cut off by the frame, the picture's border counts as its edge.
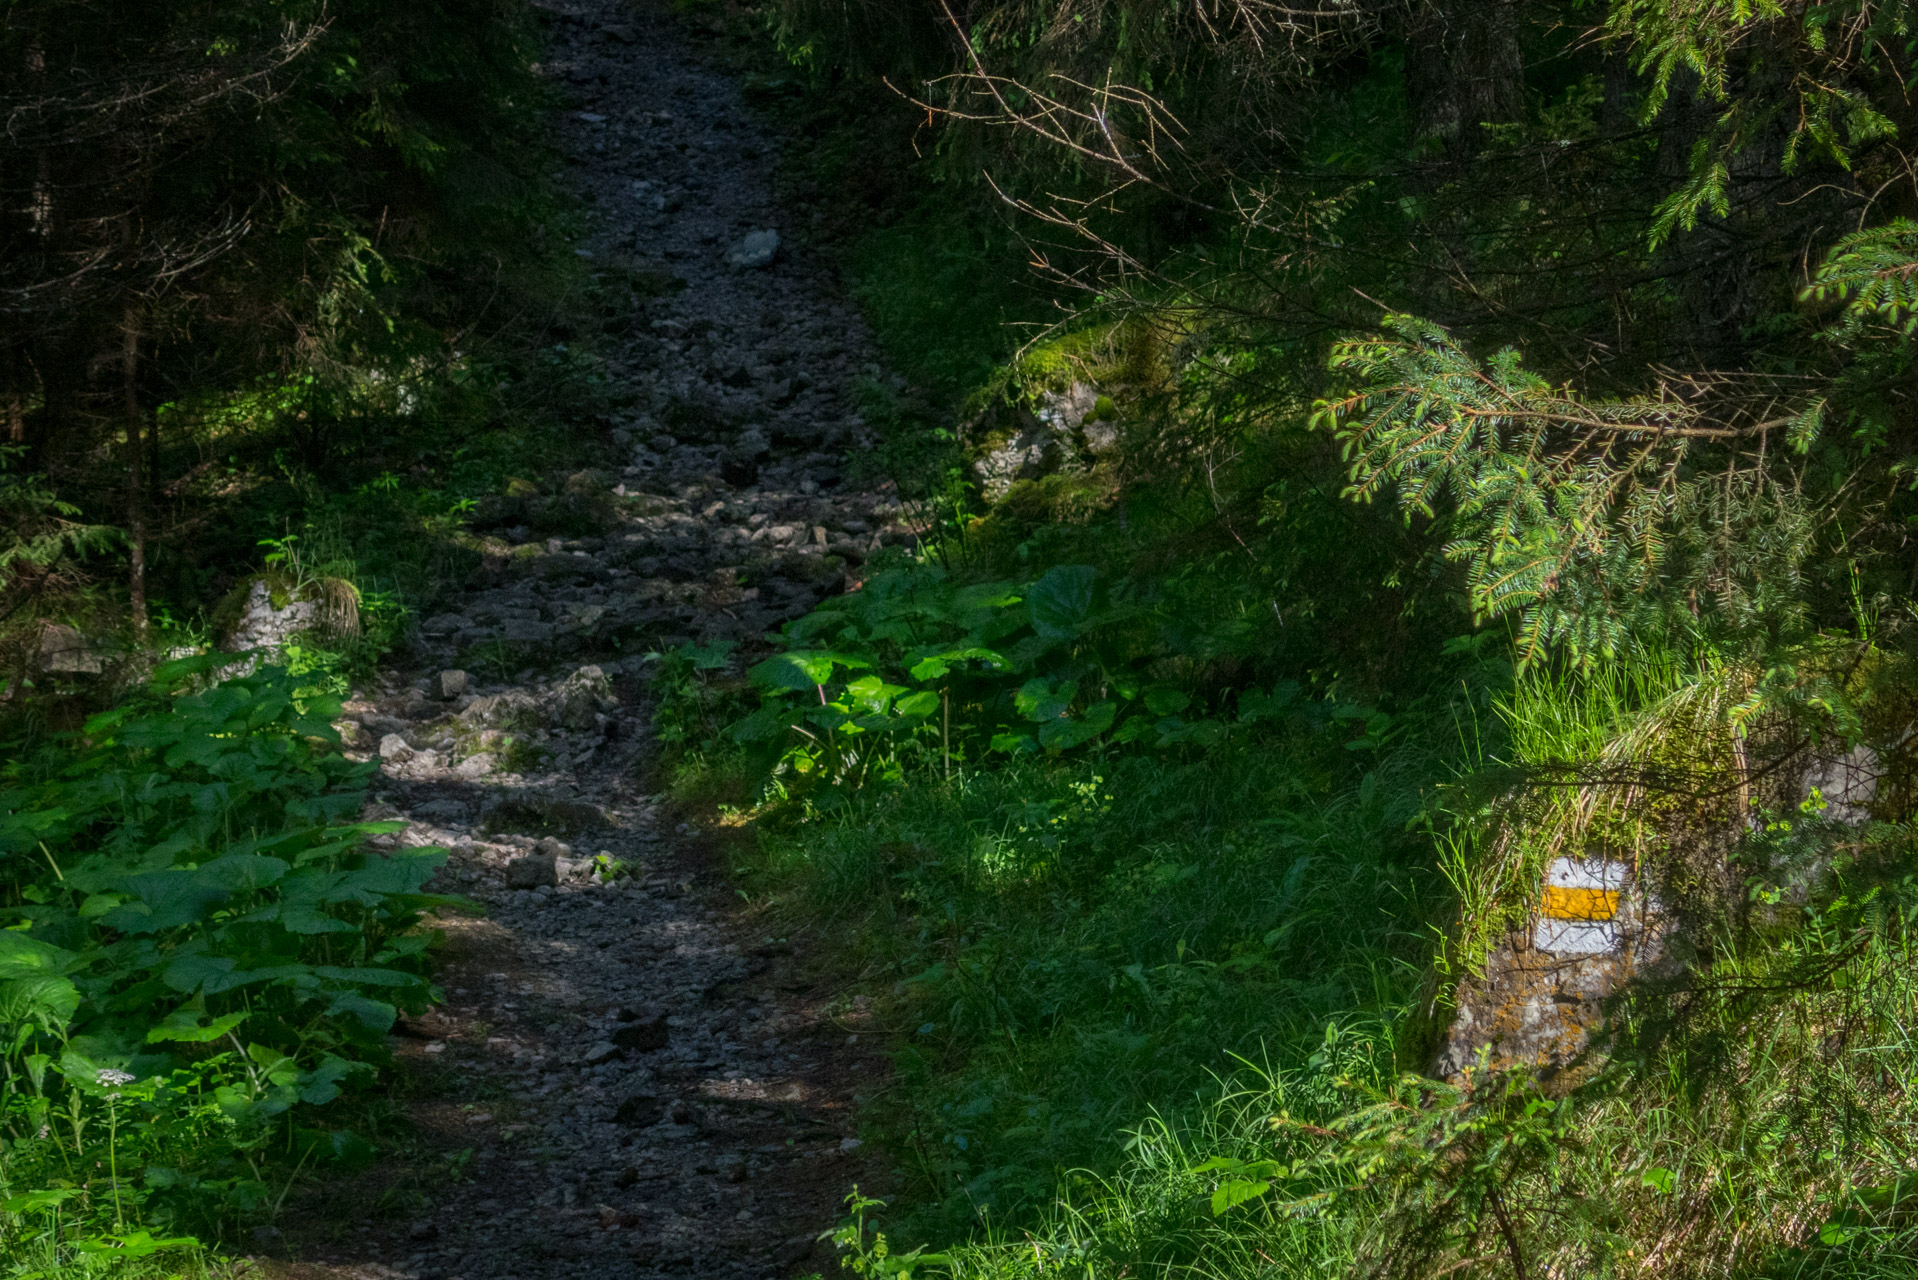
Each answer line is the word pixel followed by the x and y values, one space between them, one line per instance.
pixel 136 487
pixel 1463 68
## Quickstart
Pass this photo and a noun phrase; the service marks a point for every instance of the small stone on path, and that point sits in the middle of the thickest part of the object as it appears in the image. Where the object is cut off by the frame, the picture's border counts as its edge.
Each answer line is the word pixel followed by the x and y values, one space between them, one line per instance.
pixel 758 249
pixel 532 871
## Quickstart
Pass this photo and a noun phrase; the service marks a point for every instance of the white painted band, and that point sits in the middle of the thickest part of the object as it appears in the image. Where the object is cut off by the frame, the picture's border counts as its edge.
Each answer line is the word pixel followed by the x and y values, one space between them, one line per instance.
pixel 1584 873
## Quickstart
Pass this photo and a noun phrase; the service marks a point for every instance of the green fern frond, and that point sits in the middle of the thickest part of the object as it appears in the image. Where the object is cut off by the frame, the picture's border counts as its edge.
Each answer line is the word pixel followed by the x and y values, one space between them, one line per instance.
pixel 1590 522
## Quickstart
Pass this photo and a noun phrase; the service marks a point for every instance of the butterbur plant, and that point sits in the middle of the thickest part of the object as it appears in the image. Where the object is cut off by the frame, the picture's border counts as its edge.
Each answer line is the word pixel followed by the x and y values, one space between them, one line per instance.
pixel 198 953
pixel 917 669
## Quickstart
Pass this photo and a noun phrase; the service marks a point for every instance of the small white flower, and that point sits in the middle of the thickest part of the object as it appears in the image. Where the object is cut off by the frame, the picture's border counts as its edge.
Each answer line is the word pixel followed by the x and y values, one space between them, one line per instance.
pixel 113 1076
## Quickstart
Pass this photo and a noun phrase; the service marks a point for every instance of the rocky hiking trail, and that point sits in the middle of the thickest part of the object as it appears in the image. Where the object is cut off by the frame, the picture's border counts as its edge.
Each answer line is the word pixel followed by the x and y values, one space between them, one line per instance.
pixel 628 1077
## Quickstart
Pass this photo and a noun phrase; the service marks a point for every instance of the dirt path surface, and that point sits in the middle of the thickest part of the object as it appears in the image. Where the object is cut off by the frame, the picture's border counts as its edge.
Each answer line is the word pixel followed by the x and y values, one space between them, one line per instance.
pixel 628 1078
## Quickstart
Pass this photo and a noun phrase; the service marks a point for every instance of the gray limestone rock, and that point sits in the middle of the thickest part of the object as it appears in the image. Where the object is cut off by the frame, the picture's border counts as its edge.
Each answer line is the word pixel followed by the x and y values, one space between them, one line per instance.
pixel 644 1034
pixel 1038 449
pixel 65 651
pixel 757 249
pixel 584 696
pixel 263 624
pixel 475 767
pixel 1847 784
pixel 532 870
pixel 523 631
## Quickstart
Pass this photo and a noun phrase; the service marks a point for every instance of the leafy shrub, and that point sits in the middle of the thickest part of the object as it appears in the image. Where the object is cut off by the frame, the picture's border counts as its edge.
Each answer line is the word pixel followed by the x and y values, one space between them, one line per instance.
pixel 923 667
pixel 201 952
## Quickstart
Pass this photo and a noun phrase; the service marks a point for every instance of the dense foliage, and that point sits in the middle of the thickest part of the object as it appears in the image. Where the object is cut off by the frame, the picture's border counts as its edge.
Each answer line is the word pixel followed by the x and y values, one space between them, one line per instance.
pixel 201 951
pixel 246 255
pixel 235 241
pixel 1363 451
pixel 1492 442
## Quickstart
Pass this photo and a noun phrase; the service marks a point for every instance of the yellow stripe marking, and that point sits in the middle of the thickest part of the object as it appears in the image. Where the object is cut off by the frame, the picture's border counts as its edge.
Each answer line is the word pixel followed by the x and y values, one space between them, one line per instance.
pixel 1560 903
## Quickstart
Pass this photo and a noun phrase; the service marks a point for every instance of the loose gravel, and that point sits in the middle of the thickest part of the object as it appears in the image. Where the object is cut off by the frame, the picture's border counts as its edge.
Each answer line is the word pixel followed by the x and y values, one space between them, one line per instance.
pixel 634 1078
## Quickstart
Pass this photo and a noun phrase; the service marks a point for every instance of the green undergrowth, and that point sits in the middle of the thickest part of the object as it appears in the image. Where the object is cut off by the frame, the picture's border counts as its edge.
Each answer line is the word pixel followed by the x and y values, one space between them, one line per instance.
pixel 1172 1009
pixel 201 955
pixel 1101 853
pixel 1073 945
pixel 398 517
pixel 1750 1118
pixel 1174 791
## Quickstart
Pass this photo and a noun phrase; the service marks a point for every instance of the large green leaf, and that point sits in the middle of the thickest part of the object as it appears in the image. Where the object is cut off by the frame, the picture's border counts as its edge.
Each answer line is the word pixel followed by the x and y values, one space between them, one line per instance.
pixel 1045 699
pixel 24 957
pixel 47 999
pixel 368 977
pixel 184 1025
pixel 934 666
pixel 917 705
pixel 238 978
pixel 1164 700
pixel 1063 734
pixel 167 900
pixel 241 873
pixel 803 670
pixel 1236 1191
pixel 191 971
pixel 871 694
pixel 134 1244
pixel 374 1015
pixel 378 878
pixel 1061 601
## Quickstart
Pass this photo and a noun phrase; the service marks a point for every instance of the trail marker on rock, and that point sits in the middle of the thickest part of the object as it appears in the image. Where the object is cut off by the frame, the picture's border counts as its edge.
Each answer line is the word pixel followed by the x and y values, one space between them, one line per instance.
pixel 1578 908
pixel 1544 987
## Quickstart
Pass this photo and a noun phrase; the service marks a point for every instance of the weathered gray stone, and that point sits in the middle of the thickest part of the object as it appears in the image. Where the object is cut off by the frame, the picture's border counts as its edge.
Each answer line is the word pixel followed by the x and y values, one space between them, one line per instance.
pixel 394 748
pixel 757 249
pixel 1036 450
pixel 1543 989
pixel 1847 784
pixel 1065 411
pixel 584 695
pixel 1102 436
pixel 513 709
pixel 523 631
pixel 477 766
pixel 645 1034
pixel 532 870
pixel 266 625
pixel 584 617
pixel 65 651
